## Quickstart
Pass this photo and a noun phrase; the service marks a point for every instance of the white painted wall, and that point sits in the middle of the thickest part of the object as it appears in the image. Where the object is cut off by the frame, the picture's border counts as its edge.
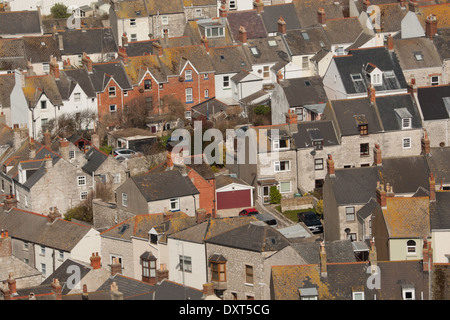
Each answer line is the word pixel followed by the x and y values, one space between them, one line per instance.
pixel 89 244
pixel 441 245
pixel 44 5
pixel 187 205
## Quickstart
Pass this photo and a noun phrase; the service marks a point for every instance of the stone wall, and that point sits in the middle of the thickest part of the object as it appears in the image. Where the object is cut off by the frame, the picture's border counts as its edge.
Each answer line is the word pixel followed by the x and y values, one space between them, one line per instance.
pixel 298 203
pixel 106 215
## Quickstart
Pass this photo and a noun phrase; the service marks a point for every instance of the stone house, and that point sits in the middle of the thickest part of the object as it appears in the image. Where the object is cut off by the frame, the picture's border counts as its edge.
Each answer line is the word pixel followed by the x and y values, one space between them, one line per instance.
pixel 196 9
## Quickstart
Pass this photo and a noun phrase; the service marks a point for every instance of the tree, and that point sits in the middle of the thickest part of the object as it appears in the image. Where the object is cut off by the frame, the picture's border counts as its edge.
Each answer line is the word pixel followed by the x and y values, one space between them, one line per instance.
pixel 275 195
pixel 59 11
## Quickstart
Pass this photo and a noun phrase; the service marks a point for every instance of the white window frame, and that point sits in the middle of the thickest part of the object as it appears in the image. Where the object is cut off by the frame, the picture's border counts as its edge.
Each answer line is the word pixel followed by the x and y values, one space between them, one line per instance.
pixel 435 83
pixel 116 177
pixel 198 12
pixel 220 32
pixel 81 180
pixel 277 166
pixel 188 75
pixel 414 247
pixel 111 91
pixel 164 20
pixel 44 105
pixel 83 195
pixel 407 139
pixel 206 93
pixel 176 203
pixel 189 95
pixel 349 215
pixel 318 165
pixel 76 96
pixel 290 186
pixel 186 267
pixel 43 269
pixel 226 82
pixel 133 37
pixel 188 115
pixel 355 294
pixel 305 63
pixel 406 123
pixel 124 200
pixel 112 108
pixel 232 5
pixel 405 291
pixel 71 154
pixel 133 23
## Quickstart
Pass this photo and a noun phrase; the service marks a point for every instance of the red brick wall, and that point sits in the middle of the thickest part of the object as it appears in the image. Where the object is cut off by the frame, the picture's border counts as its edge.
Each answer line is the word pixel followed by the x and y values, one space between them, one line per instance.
pixel 207 189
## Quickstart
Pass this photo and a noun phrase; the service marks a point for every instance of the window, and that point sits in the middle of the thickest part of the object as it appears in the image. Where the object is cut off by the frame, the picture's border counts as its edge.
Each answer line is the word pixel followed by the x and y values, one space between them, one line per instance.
pixel 299 112
pixel 214 32
pixel 248 274
pixel 435 80
pixel 83 195
pixel 112 91
pixel 148 266
pixel 77 96
pixel 42 251
pixel 112 108
pixel 44 122
pixel 285 187
pixel 46 67
pixel 358 295
pixel 188 115
pixel 188 75
pixel 280 144
pixel 174 204
pixel 124 199
pixel 189 97
pixel 318 144
pixel 406 123
pixel 206 94
pixel 164 20
pixel 351 236
pixel 418 56
pixel 364 149
pixel 363 129
pixel 116 177
pixel 147 84
pixel 349 213
pixel 26 246
pixel 318 164
pixel 132 22
pixel 218 271
pixel 305 36
pixel 232 5
pixel 43 105
pixel 198 12
pixel 408 293
pixel 133 37
pixel 339 51
pixel 185 263
pixel 71 154
pixel 226 81
pixel 266 73
pixel 81 180
pixel 43 269
pixel 3 185
pixel 411 247
pixel 205 76
pixel 281 166
pixel 406 143
pixel 61 255
pixel 305 63
pixel 153 238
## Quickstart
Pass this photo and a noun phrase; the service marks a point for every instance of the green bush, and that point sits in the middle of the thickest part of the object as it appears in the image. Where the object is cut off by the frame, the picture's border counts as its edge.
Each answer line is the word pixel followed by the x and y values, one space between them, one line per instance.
pixel 262 110
pixel 59 11
pixel 275 195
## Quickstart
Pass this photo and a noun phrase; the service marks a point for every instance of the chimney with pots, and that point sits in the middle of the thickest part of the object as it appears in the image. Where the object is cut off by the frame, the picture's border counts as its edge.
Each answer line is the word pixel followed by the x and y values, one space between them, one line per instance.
pixel 323 260
pixel 223 10
pixel 279 76
pixel 390 42
pixel 258 5
pixel 321 16
pixel 123 55
pixel 32 149
pixel 53 215
pixel 48 161
pixel 162 273
pixel 64 148
pixel 371 93
pixel 373 257
pixel 57 289
pixel 96 262
pixel 291 117
pixel 205 43
pixel 159 47
pixel 208 290
pixel 115 293
pixel 425 143
pixel 30 69
pixel 431 28
pixel 389 191
pixel 242 35
pixel 412 87
pixel 330 166
pixel 281 26
pixel 12 285
pixel 6 293
pixel 432 187
pixel 2 117
pixel 377 160
pixel 413 6
pixel 87 62
pixel 54 67
pixel 116 267
pixel 427 255
pixel 9 203
pixel 124 39
pixel 5 244
pixel 84 295
pixel 381 194
pixel 365 5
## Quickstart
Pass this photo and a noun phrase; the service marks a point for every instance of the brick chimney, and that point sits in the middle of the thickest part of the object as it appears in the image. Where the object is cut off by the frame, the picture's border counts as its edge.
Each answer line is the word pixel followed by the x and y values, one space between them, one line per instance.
pixel 9 203
pixel 162 274
pixel 87 62
pixel 281 25
pixel 208 290
pixel 431 28
pixel 242 35
pixel 432 187
pixel 5 244
pixel 123 55
pixel 115 293
pixel 6 293
pixel 64 149
pixel 84 295
pixel 96 261
pixel 116 267
pixel 321 16
pixel 48 161
pixel 47 139
pixel 54 67
pixel 57 289
pixel 390 42
pixel 389 191
pixel 53 215
pixel 381 194
pixel 330 165
pixel 371 93
pixel 373 257
pixel 258 5
pixel 32 153
pixel 412 87
pixel 413 6
pixel 323 260
pixel 377 160
pixel 223 10
pixel 200 214
pixel 124 39
pixel 279 76
pixel 291 117
pixel 12 285
pixel 204 41
pixel 427 255
pixel 425 143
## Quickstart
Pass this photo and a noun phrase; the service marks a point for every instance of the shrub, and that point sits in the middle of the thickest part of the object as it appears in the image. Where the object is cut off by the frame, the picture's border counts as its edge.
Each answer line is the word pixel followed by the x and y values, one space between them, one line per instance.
pixel 275 195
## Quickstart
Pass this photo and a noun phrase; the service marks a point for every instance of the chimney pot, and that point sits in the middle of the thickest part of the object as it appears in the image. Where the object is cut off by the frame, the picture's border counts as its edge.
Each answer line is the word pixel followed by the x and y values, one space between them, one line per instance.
pixel 432 187
pixel 425 143
pixel 57 288
pixel 381 195
pixel 390 42
pixel 258 5
pixel 321 16
pixel 281 25
pixel 377 155
pixel 242 35
pixel 431 26
pixel 323 260
pixel 371 93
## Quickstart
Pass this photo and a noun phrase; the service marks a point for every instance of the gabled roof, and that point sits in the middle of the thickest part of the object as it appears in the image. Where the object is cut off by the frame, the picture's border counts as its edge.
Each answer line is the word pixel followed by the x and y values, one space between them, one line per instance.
pixel 344 30
pixel 20 22
pixel 272 13
pixel 250 20
pixel 441 11
pixel 93 40
pixel 266 50
pixel 229 59
pixel 12 54
pixel 439 211
pixel 131 289
pixel 40 48
pixel 157 7
pixel 434 102
pixel 95 159
pixel 307 11
pixel 7 82
pixel 388 107
pixel 169 290
pixel 224 180
pixel 104 72
pixel 174 59
pixel 306 41
pixel 303 139
pixel 439 164
pixel 417 53
pixel 304 91
pixel 131 9
pixel 81 77
pixel 36 86
pixel 337 251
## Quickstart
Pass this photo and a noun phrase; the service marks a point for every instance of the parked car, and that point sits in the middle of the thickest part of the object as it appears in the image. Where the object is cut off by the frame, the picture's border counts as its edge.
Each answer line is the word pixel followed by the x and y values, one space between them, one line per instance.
pixel 125 153
pixel 268 218
pixel 311 220
pixel 248 212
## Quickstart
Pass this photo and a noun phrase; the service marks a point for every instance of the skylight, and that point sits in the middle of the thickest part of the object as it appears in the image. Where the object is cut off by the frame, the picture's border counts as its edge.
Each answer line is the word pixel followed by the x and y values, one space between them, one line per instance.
pixel 272 43
pixel 418 56
pixel 305 35
pixel 254 51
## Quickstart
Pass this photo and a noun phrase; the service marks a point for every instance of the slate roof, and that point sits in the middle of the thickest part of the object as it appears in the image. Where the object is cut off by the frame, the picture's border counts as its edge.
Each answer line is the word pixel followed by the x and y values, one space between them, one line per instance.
pixel 103 72
pixel 229 59
pixel 131 9
pixel 32 227
pixel 266 51
pixel 272 13
pixel 7 82
pixel 132 289
pixel 169 290
pixel 391 17
pixel 301 92
pixel 389 105
pixel 30 22
pixel 345 30
pixel 209 107
pixel 315 41
pixel 155 7
pixel 439 164
pixel 95 159
pixel 303 139
pixel 442 43
pixel 434 102
pixel 12 54
pixel 250 20
pixel 439 211
pixel 343 278
pixel 48 25
pixel 40 48
pixel 36 86
pixel 94 40
pixel 337 251
pixel 378 56
pixel 81 77
pixel 307 11
pixel 407 49
pixel 255 236
pixel 174 59
pixel 367 209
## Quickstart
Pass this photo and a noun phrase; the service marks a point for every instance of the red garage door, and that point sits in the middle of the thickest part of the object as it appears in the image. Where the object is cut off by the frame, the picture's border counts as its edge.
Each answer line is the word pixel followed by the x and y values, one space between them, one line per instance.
pixel 234 199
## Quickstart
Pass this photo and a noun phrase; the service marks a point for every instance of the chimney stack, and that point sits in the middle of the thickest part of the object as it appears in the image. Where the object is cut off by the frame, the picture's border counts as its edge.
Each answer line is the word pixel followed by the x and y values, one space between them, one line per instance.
pixel 5 244
pixel 116 267
pixel 60 42
pixel 330 165
pixel 115 293
pixel 208 290
pixel 53 215
pixel 281 25
pixel 390 42
pixel 323 260
pixel 64 149
pixel 258 5
pixel 124 39
pixel 291 117
pixel 200 214
pixel 223 10
pixel 321 16
pixel 432 187
pixel 123 55
pixel 54 67
pixel 242 35
pixel 162 273
pixel 371 93
pixel 96 262
pixel 87 62
pixel 95 140
pixel 12 285
pixel 48 161
pixel 381 195
pixel 365 5
pixel 159 47
pixel 425 143
pixel 377 155
pixel 9 203
pixel 431 28
pixel 57 289
pixel 84 295
pixel 427 255
pixel 413 6
pixel 373 257
pixel 30 70
pixel 205 43
pixel 412 87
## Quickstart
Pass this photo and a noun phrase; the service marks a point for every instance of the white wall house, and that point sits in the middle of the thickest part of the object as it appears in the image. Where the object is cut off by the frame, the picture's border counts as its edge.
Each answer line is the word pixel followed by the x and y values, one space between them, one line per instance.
pixel 44 5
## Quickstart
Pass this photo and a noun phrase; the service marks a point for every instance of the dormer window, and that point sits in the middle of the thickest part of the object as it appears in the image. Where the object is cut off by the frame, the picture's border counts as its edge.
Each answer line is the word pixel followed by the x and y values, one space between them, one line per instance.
pixel 406 123
pixel 280 144
pixel 405 118
pixel 363 125
pixel 214 32
pixel 374 74
pixel 316 138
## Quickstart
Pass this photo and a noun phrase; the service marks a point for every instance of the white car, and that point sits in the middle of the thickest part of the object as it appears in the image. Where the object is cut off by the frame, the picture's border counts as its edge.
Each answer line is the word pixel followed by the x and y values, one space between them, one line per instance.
pixel 121 153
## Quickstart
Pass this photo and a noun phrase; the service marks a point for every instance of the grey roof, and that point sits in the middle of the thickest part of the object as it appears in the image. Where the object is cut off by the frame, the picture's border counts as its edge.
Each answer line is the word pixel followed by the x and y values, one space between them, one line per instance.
pixel 439 211
pixel 7 82
pixel 442 43
pixel 209 107
pixel 306 41
pixel 81 77
pixel 229 59
pixel 268 50
pixel 96 40
pixel 224 180
pixel 168 290
pixel 390 107
pixel 131 289
pixel 345 30
pixel 250 20
pixel 40 48
pixel 272 13
pixel 103 72
pixel 434 103
pixel 307 11
pixel 12 54
pixel 255 236
pixel 164 185
pixel 20 22
pixel 95 159
pixel 304 91
pixel 359 58
pixel 439 164
pixel 339 251
pixel 409 49
pixel 303 138
pixel 367 209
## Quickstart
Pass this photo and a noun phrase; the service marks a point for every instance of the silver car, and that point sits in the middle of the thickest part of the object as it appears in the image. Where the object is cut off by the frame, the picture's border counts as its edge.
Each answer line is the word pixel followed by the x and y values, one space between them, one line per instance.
pixel 121 153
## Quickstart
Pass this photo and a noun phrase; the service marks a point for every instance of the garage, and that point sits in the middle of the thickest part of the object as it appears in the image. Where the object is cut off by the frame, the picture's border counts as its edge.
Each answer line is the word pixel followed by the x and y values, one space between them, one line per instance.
pixel 233 193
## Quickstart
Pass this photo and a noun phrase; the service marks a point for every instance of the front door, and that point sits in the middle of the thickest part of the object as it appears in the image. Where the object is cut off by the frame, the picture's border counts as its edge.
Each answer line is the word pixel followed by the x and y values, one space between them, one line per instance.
pixel 266 194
